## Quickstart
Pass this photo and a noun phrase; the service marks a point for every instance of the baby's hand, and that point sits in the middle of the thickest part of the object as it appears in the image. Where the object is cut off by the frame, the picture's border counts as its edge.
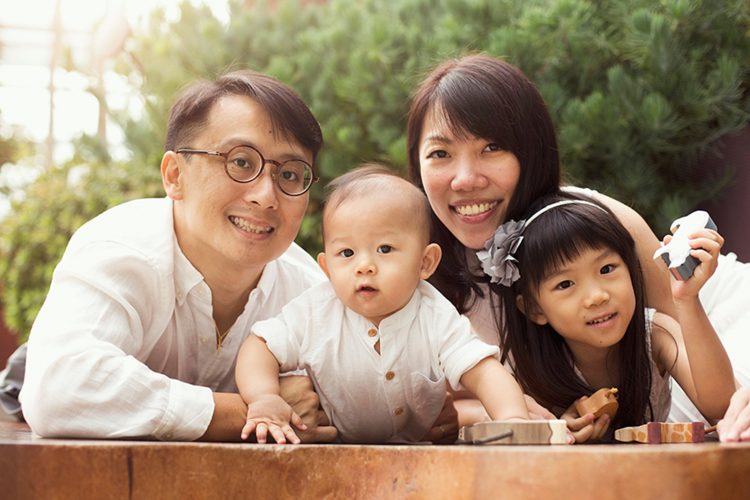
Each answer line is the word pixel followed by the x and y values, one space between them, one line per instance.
pixel 586 427
pixel 272 414
pixel 705 245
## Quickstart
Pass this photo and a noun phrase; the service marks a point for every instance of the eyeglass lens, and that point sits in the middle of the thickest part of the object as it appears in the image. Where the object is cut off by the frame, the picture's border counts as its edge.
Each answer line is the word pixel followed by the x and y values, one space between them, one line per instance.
pixel 244 164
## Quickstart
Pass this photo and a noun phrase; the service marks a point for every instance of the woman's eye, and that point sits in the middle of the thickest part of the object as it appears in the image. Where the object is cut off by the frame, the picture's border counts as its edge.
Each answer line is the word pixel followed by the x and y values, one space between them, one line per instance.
pixel 385 249
pixel 438 153
pixel 346 252
pixel 564 284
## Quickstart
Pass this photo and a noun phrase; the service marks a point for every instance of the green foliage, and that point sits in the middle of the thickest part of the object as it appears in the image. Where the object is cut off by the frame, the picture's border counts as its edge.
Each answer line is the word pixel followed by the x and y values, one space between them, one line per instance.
pixel 638 89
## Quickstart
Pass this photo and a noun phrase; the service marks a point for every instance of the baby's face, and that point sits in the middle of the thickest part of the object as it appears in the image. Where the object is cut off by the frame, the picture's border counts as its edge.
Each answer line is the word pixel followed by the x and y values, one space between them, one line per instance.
pixel 373 254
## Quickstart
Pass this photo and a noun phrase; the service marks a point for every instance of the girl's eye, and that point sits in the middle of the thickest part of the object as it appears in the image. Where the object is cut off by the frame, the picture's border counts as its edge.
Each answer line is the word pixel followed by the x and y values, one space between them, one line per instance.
pixel 438 153
pixel 346 252
pixel 607 269
pixel 492 147
pixel 564 284
pixel 385 249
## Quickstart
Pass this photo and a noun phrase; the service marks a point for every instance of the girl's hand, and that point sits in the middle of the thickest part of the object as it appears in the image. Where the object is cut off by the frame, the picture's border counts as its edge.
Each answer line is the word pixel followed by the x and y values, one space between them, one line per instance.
pixel 735 426
pixel 272 414
pixel 585 428
pixel 705 246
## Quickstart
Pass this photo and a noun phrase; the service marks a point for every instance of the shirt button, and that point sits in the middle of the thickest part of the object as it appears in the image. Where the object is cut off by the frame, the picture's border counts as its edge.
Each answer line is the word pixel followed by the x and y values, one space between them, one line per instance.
pixel 398 411
pixel 372 332
pixel 389 375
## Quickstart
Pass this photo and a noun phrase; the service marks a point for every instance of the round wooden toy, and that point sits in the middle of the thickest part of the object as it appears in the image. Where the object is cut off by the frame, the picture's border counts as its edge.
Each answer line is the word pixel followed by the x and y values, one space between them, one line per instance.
pixel 602 401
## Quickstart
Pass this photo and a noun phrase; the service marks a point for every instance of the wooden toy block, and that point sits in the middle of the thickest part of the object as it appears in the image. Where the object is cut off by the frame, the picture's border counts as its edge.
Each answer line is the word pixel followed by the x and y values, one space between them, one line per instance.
pixel 602 401
pixel 663 432
pixel 504 432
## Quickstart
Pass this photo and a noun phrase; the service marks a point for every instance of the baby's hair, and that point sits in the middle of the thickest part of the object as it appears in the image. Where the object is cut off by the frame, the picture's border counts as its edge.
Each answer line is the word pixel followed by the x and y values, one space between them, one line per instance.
pixel 368 177
pixel 540 357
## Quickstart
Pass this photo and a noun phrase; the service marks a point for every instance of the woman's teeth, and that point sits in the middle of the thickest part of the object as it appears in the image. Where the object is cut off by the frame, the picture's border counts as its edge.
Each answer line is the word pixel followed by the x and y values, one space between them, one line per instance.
pixel 475 209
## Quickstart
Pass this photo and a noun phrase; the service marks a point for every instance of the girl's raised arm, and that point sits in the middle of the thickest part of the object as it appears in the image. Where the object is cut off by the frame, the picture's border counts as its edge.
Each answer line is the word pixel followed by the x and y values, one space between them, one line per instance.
pixel 687 345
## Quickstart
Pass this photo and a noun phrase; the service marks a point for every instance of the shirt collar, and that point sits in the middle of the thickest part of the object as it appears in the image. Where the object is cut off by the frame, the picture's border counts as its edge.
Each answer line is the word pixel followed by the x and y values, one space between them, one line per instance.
pixel 267 279
pixel 402 317
pixel 186 276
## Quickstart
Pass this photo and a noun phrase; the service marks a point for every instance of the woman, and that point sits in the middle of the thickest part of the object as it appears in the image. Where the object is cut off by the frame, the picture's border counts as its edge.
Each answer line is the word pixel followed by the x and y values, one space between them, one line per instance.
pixel 482 146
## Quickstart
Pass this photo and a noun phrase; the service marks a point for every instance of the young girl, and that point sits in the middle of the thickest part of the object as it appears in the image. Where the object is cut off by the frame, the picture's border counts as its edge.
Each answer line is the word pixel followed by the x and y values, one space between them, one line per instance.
pixel 573 293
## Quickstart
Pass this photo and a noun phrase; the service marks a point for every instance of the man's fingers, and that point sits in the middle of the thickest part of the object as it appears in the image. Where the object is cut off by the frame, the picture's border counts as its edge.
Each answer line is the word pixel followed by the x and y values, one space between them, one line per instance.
pixel 323 420
pixel 324 434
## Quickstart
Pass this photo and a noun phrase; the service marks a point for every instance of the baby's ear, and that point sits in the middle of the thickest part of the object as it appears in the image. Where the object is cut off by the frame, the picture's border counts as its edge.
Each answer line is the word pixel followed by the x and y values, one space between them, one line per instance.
pixel 322 263
pixel 430 260
pixel 532 313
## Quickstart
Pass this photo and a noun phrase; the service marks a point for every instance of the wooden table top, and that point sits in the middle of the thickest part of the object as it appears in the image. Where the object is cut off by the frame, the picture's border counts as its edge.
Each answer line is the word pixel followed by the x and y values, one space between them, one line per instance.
pixel 31 467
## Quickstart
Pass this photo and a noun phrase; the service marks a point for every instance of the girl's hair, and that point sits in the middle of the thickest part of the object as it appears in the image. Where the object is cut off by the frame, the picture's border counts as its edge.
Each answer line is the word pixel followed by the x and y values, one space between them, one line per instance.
pixel 542 361
pixel 488 98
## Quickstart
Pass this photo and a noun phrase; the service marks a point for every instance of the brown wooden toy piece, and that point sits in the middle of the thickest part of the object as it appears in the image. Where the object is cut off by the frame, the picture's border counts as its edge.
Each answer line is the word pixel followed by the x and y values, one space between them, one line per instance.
pixel 662 432
pixel 602 401
pixel 503 432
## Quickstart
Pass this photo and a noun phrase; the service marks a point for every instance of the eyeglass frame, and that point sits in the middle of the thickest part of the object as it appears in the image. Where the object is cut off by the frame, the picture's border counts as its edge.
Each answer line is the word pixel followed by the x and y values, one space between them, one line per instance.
pixel 263 162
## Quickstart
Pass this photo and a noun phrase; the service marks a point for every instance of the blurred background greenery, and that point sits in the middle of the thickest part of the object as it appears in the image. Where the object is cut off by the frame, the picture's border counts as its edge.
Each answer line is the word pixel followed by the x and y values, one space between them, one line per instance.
pixel 638 90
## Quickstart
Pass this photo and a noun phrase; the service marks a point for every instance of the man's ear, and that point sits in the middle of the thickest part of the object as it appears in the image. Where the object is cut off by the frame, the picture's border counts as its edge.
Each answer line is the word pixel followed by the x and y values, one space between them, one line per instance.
pixel 430 260
pixel 322 263
pixel 532 313
pixel 171 175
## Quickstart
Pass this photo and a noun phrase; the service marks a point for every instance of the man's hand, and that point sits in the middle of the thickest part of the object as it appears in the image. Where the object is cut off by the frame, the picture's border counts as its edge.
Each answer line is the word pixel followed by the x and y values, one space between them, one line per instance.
pixel 445 428
pixel 297 390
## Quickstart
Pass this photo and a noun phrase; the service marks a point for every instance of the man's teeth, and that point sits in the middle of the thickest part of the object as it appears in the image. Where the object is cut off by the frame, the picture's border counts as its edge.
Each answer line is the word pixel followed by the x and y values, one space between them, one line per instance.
pixel 601 320
pixel 475 209
pixel 250 228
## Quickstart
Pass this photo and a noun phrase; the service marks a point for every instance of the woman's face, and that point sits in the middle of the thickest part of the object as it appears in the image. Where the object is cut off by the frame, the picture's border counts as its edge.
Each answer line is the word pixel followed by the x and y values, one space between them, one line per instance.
pixel 468 180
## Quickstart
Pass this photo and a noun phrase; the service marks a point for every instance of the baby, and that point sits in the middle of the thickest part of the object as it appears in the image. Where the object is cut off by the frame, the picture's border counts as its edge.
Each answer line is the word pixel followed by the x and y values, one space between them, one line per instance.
pixel 378 342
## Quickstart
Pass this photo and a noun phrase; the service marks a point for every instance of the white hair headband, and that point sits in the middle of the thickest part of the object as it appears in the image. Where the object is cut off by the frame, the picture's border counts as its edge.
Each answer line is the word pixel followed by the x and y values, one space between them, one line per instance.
pixel 497 258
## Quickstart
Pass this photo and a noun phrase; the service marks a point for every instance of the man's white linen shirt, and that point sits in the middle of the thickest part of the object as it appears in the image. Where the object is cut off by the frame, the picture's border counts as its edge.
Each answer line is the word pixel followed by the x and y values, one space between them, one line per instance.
pixel 125 343
pixel 394 396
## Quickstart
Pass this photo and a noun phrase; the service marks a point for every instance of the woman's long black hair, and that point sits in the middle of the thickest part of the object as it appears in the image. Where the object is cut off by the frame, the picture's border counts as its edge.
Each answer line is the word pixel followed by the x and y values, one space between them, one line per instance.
pixel 542 361
pixel 486 97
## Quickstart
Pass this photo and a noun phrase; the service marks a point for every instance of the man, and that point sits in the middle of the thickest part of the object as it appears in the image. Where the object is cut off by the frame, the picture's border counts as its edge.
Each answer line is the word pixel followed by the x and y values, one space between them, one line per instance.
pixel 152 299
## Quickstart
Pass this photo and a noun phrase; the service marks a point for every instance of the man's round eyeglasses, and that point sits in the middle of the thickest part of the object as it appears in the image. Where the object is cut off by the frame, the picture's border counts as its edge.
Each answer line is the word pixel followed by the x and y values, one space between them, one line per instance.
pixel 245 164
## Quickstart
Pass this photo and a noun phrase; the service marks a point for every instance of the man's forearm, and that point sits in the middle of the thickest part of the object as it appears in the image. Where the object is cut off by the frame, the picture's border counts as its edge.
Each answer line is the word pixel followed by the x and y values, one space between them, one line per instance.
pixel 229 417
